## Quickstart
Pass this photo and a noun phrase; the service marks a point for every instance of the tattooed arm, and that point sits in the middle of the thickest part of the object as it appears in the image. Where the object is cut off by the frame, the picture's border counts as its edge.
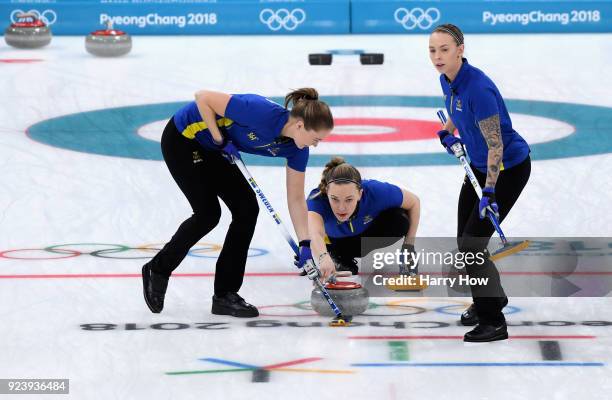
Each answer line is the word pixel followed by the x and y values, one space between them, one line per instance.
pixel 491 130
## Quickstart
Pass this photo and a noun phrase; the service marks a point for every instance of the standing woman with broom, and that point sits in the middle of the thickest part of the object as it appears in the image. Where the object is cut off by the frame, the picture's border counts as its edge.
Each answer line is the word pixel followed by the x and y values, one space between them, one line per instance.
pixel 499 157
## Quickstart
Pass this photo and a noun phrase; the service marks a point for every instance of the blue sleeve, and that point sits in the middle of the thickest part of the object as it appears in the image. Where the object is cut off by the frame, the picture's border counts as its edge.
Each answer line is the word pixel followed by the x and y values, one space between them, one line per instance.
pixel 484 103
pixel 386 195
pixel 299 160
pixel 316 205
pixel 251 110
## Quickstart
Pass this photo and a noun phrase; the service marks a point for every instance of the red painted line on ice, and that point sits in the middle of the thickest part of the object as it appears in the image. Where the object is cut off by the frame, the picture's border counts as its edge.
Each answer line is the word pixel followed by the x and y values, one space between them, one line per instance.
pixel 262 275
pixel 536 273
pixel 19 60
pixel 294 362
pixel 519 273
pixel 510 273
pixel 557 273
pixel 194 275
pixel 531 337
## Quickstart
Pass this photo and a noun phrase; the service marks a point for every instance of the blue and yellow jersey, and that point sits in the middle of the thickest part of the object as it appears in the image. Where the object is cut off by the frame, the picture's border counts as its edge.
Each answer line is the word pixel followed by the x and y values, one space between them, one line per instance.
pixel 253 124
pixel 377 197
pixel 473 97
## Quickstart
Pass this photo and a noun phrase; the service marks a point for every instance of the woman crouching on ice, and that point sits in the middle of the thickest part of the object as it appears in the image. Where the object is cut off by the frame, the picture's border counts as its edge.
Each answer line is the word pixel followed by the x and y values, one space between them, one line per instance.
pixel 344 208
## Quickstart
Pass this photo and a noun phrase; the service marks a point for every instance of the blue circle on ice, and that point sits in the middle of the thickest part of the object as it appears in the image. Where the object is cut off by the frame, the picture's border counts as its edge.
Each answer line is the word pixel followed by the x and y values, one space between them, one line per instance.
pixel 113 131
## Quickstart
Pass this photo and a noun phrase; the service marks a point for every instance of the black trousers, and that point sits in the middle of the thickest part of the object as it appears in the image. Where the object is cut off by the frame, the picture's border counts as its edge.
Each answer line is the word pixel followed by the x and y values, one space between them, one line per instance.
pixel 204 177
pixel 389 226
pixel 473 235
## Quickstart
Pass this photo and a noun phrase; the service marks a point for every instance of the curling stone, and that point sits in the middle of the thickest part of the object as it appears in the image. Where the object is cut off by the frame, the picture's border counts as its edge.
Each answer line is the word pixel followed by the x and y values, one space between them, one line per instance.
pixel 28 32
pixel 371 58
pixel 108 42
pixel 320 59
pixel 350 297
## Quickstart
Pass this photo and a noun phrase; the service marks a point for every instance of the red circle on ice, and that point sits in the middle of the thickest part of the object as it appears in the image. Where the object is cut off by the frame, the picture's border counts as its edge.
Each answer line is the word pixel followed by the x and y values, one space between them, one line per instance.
pixel 401 130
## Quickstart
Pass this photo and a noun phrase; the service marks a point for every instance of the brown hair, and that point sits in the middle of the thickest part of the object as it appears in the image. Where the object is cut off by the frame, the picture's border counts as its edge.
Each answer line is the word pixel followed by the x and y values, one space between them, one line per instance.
pixel 339 171
pixel 452 30
pixel 307 106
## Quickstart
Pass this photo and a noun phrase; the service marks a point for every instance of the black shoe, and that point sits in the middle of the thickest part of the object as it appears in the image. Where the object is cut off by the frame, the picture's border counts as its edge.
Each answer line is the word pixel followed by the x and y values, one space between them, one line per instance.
pixel 154 288
pixel 486 333
pixel 234 305
pixel 470 318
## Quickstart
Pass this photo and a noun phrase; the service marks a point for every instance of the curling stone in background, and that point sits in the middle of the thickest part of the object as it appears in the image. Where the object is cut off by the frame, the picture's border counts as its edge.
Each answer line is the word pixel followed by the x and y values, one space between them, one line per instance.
pixel 320 59
pixel 364 58
pixel 108 42
pixel 28 32
pixel 371 58
pixel 350 297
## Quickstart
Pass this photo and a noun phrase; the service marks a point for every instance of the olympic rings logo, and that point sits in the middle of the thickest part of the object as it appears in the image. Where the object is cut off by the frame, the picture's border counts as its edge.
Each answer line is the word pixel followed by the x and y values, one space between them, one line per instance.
pixel 417 17
pixel 48 16
pixel 115 251
pixel 282 18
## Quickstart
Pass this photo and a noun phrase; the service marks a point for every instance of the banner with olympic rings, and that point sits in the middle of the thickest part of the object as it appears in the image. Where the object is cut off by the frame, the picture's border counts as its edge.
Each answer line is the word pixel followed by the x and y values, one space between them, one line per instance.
pixel 478 16
pixel 193 17
pixel 282 17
